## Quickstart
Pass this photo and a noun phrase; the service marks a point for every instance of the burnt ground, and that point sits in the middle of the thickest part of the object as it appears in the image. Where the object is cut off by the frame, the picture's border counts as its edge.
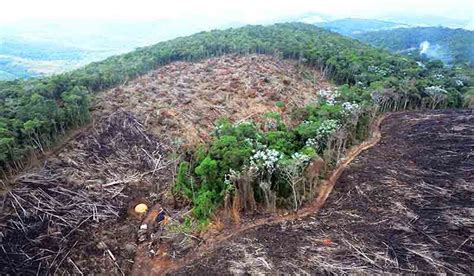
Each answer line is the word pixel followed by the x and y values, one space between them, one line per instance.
pixel 404 206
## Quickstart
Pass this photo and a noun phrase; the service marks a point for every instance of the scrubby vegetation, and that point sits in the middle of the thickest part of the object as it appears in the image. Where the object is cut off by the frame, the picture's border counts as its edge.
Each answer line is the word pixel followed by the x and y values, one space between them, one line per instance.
pixel 34 113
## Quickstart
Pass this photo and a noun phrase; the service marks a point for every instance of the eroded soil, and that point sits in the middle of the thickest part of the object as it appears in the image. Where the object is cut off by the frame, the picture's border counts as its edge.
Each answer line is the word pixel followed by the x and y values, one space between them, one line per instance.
pixel 406 205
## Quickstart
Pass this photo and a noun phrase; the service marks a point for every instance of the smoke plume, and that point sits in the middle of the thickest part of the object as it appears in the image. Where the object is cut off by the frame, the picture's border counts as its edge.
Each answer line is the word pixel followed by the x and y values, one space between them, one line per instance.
pixel 424 46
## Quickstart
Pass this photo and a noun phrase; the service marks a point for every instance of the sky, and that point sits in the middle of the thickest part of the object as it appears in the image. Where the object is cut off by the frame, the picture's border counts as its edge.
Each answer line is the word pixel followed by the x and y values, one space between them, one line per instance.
pixel 248 11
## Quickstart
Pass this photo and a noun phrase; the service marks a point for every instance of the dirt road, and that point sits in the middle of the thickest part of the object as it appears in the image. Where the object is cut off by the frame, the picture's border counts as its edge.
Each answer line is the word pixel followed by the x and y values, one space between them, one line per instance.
pixel 406 205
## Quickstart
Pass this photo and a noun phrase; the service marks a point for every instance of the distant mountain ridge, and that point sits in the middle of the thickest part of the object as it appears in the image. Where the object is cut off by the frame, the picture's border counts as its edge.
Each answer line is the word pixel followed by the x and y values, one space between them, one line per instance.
pixel 352 26
pixel 452 46
pixel 32 49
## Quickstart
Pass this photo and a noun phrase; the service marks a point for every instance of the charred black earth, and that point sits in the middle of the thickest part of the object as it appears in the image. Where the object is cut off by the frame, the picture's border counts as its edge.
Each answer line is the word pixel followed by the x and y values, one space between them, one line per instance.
pixel 405 205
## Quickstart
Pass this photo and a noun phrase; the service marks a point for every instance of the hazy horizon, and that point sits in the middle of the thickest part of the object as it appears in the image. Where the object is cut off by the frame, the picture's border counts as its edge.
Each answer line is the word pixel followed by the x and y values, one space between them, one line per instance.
pixel 51 36
pixel 244 11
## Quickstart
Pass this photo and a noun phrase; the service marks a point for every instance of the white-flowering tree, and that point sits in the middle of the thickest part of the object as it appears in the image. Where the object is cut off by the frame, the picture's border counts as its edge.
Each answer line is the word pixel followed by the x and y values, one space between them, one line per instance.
pixel 264 162
pixel 437 95
pixel 328 96
pixel 292 171
pixel 388 100
pixel 326 128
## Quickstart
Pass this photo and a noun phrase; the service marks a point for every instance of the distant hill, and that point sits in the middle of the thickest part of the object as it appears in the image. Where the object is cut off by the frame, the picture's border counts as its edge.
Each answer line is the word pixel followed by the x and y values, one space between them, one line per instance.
pixel 352 26
pixel 21 58
pixel 452 46
pixel 25 58
pixel 308 18
pixel 419 20
pixel 38 50
pixel 31 49
pixel 12 68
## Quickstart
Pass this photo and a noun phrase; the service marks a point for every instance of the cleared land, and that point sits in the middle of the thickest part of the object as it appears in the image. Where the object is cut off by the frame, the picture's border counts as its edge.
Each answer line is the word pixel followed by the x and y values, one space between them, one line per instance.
pixel 71 213
pixel 403 206
pixel 187 98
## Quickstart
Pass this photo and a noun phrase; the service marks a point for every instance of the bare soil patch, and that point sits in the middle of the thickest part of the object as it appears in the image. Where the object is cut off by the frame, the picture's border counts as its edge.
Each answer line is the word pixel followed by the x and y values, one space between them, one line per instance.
pixel 403 206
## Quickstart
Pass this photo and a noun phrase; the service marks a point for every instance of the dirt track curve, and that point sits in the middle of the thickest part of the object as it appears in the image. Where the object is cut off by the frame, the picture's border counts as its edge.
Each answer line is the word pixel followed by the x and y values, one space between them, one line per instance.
pixel 405 205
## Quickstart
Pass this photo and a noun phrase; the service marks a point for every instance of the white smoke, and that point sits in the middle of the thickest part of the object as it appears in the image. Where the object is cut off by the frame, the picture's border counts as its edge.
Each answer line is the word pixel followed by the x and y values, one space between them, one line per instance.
pixel 435 51
pixel 424 46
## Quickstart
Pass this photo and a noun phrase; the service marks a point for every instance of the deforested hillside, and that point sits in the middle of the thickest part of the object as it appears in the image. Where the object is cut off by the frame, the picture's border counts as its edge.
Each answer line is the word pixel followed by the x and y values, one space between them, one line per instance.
pixel 87 191
pixel 188 98
pixel 183 144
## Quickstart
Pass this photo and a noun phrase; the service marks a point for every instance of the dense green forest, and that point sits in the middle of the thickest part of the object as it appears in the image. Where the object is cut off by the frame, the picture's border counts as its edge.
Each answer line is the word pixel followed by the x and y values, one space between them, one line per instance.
pixel 453 46
pixel 34 113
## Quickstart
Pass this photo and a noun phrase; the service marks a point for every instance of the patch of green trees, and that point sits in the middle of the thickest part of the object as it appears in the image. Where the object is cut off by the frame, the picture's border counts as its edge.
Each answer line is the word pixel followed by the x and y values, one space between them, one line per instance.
pixel 265 163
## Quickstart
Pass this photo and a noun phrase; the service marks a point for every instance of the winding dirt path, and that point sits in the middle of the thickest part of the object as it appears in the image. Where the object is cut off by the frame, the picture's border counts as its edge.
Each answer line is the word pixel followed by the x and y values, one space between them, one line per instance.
pixel 405 205
pixel 162 265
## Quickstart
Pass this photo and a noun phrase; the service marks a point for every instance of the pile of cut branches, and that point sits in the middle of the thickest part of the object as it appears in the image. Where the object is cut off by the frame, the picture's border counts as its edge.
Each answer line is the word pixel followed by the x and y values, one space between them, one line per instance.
pixel 185 97
pixel 89 183
pixel 47 213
